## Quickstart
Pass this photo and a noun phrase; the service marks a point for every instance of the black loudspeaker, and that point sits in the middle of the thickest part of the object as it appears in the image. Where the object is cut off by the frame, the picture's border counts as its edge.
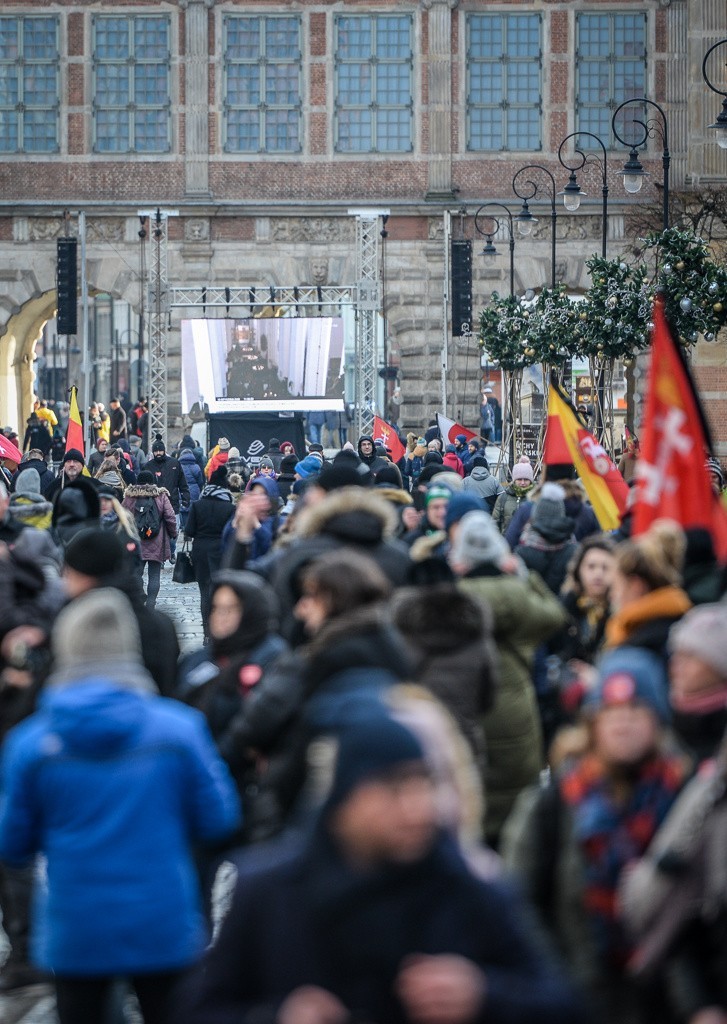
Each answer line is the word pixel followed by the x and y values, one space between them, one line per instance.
pixel 461 288
pixel 67 285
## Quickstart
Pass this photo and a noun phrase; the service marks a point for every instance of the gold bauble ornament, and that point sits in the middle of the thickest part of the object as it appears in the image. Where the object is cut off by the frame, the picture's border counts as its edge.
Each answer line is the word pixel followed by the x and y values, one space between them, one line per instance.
pixel 629 362
pixel 584 316
pixel 718 307
pixel 679 265
pixel 529 352
pixel 600 346
pixel 552 348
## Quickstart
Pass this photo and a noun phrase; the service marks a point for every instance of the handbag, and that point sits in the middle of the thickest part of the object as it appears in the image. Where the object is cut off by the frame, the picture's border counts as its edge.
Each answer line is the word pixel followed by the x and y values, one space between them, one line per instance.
pixel 184 567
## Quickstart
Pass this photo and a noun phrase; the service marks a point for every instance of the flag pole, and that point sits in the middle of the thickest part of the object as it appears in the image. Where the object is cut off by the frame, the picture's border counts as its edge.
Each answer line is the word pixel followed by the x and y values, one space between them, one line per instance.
pixel 86 359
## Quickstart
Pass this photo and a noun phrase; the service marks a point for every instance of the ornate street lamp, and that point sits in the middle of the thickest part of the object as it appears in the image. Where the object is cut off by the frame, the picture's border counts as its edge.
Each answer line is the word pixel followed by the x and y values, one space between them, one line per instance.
pixel 633 172
pixel 490 252
pixel 720 125
pixel 525 220
pixel 572 193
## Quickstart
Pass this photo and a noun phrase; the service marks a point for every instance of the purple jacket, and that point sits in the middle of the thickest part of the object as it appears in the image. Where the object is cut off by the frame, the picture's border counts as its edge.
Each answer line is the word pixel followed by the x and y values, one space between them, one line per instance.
pixel 155 549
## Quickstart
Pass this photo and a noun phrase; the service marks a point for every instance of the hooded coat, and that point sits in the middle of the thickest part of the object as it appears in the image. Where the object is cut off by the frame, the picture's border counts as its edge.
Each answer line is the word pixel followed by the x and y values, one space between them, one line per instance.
pixel 154 549
pixel 192 474
pixel 482 483
pixel 46 476
pixel 113 785
pixel 373 461
pixel 31 510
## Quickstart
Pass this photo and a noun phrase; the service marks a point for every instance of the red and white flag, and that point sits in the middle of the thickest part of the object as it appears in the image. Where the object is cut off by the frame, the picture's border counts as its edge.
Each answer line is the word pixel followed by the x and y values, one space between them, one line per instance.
pixel 672 480
pixel 450 428
pixel 384 431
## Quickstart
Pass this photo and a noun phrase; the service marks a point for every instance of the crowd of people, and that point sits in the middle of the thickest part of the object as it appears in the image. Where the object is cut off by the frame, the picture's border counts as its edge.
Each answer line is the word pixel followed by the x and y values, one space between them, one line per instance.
pixel 448 752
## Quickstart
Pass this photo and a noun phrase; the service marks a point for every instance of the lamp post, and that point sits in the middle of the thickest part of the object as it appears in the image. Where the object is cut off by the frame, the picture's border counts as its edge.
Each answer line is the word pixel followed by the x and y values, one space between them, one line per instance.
pixel 572 193
pixel 525 220
pixel 720 125
pixel 633 172
pixel 489 251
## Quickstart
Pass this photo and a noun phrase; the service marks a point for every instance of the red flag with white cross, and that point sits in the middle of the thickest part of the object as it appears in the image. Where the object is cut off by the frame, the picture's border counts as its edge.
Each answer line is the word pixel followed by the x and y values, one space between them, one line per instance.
pixel 672 480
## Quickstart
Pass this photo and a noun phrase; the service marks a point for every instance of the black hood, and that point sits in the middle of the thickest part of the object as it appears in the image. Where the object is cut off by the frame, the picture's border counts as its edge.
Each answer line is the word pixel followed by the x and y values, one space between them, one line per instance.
pixel 261 610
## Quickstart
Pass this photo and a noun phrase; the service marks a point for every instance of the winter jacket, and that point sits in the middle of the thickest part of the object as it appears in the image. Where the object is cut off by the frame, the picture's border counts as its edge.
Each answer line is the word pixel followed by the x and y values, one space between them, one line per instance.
pixel 482 483
pixel 37 436
pixel 524 614
pixel 192 474
pixel 454 463
pixel 549 553
pixel 301 915
pixel 218 459
pixel 154 549
pixel 169 474
pixel 113 786
pixel 647 621
pixel 47 478
pixel 31 510
pixel 506 505
pixel 209 515
pixel 117 424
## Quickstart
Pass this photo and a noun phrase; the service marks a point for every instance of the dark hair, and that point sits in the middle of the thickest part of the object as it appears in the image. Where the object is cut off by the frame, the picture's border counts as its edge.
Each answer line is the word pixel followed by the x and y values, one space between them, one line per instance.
pixel 598 542
pixel 346 580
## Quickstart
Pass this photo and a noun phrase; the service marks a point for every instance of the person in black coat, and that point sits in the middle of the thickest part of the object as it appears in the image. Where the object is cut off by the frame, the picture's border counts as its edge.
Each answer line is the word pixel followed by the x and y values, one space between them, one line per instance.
pixel 37 436
pixel 169 474
pixel 376 917
pixel 205 524
pixel 34 460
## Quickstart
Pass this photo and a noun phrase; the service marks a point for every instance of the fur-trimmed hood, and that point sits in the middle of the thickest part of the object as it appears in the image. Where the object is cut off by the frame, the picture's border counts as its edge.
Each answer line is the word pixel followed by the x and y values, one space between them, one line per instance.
pixel 144 491
pixel 350 513
pixel 395 495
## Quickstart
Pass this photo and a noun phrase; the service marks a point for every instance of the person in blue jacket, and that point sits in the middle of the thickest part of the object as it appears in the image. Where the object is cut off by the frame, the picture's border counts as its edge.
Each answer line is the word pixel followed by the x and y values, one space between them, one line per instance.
pixel 113 785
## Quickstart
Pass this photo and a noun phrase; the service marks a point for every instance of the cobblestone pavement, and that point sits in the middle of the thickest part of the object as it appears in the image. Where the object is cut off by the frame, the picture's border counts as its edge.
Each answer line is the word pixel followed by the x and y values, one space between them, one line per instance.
pixel 36 1005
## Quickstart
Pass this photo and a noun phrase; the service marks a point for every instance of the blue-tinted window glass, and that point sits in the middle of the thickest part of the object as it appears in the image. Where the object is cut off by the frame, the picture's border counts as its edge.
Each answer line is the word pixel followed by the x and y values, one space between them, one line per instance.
pixel 29 84
pixel 131 84
pixel 262 84
pixel 611 68
pixel 374 83
pixel 503 82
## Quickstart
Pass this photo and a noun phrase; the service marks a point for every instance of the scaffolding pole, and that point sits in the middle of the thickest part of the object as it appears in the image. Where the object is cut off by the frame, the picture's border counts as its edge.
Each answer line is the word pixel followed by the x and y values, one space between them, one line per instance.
pixel 158 322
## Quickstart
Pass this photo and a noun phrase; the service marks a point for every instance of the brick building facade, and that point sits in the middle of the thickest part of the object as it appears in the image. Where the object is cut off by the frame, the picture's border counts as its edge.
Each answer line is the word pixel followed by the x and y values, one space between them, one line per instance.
pixel 262 124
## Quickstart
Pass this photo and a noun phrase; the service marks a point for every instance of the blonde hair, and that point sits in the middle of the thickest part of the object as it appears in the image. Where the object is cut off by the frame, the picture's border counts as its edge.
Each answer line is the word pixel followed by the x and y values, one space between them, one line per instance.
pixel 656 557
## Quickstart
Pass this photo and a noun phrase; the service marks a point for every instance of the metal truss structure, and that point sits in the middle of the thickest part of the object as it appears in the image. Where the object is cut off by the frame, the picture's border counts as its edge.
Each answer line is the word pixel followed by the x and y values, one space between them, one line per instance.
pixel 157 325
pixel 368 233
pixel 251 301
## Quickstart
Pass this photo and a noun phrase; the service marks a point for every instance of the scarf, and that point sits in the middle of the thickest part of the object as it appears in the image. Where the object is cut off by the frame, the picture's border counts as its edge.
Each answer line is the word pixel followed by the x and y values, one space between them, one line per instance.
pixel 610 834
pixel 663 603
pixel 216 492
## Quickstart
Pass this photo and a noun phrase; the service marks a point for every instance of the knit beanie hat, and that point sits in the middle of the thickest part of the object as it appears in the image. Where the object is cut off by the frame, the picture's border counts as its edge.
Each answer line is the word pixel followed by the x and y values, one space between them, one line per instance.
pixel 478 542
pixel 186 442
pixel 158 446
pixel 388 476
pixel 316 454
pixel 309 466
pixel 73 455
pixel 265 462
pixel 434 492
pixel 27 483
pixel 462 438
pixel 479 461
pixel 433 458
pixel 550 507
pixel 430 471
pixel 460 505
pixel 98 553
pixel 274 442
pixel 703 633
pixel 522 470
pixel 233 454
pixel 372 749
pixel 628 674
pixel 97 627
pixel 223 444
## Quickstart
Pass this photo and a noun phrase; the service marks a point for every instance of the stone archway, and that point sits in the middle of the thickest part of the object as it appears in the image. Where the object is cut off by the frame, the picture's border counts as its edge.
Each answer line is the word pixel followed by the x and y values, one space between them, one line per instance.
pixel 17 351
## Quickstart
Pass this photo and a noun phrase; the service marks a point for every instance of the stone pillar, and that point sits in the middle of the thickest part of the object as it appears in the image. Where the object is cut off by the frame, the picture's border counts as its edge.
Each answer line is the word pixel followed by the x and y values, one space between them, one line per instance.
pixel 439 14
pixel 196 96
pixel 676 75
pixel 707 25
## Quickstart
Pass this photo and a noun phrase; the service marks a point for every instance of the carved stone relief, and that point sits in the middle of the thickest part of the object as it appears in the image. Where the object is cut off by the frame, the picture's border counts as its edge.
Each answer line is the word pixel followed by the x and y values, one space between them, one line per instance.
pixel 106 229
pixel 196 229
pixel 312 229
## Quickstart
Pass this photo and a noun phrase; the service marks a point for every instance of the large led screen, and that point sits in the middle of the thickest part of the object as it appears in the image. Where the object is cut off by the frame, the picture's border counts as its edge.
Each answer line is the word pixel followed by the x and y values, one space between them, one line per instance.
pixel 263 364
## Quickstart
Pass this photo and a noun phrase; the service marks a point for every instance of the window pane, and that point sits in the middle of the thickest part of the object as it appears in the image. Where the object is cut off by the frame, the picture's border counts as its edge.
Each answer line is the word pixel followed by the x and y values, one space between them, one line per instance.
pixel 354 130
pixel 392 131
pixel 523 83
pixel 523 36
pixel 243 131
pixel 392 38
pixel 594 82
pixel 243 84
pixel 486 129
pixel 281 38
pixel 392 83
pixel 243 38
pixel 112 38
pixel 523 129
pixel 486 35
pixel 281 84
pixel 150 38
pixel 39 131
pixel 112 131
pixel 611 69
pixel 39 85
pixel 39 39
pixel 486 83
pixel 150 131
pixel 8 131
pixel 593 35
pixel 8 38
pixel 112 85
pixel 354 37
pixel 8 85
pixel 354 83
pixel 150 84
pixel 281 131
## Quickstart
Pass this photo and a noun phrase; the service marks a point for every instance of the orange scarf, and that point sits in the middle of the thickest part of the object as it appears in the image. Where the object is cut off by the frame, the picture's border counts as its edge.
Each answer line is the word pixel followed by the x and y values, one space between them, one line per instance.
pixel 664 603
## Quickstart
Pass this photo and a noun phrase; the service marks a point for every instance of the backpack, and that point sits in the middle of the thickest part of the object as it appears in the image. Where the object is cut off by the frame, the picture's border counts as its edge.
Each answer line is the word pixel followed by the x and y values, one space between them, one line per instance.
pixel 147 518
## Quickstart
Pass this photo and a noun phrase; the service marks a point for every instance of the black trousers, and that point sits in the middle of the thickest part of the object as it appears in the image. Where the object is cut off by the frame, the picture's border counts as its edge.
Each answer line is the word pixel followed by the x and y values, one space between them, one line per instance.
pixel 89 1000
pixel 16 890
